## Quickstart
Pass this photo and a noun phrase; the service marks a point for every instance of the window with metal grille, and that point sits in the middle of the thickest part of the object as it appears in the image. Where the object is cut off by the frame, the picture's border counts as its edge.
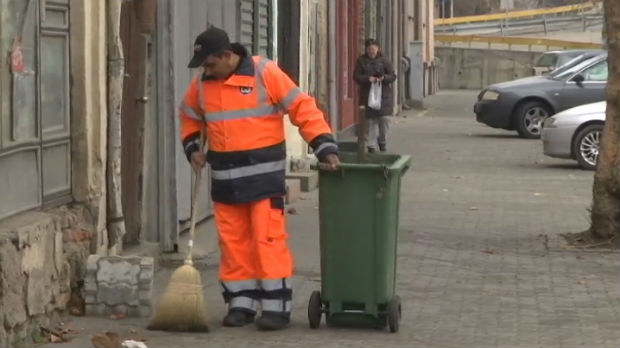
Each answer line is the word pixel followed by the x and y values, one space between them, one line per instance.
pixel 35 141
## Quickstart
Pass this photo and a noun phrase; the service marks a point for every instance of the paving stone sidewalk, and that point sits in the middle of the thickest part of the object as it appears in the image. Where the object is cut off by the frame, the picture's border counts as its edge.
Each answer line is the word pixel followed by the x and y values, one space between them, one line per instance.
pixel 480 260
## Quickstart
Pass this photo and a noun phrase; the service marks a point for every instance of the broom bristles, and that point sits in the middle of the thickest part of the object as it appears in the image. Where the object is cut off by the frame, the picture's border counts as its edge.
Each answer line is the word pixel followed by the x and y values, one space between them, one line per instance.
pixel 182 306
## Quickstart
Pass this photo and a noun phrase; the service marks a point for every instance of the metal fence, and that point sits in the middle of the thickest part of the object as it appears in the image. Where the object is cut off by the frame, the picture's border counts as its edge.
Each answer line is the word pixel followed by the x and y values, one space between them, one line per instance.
pixel 510 41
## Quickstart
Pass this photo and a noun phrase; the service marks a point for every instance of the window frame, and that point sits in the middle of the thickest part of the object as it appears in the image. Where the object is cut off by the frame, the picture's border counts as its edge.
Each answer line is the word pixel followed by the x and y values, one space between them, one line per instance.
pixel 13 143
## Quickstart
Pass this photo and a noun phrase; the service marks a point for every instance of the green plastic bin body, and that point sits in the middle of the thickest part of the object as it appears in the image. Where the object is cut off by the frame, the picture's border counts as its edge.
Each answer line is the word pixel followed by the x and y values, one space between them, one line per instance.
pixel 358 235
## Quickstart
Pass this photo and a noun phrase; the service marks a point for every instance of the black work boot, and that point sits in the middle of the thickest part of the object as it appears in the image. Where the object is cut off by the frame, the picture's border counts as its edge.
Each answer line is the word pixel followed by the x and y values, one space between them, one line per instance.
pixel 371 149
pixel 237 318
pixel 382 147
pixel 270 321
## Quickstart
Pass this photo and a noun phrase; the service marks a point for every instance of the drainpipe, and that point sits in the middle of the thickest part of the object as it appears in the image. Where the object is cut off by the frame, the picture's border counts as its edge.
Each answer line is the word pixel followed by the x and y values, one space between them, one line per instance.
pixel 334 118
pixel 116 72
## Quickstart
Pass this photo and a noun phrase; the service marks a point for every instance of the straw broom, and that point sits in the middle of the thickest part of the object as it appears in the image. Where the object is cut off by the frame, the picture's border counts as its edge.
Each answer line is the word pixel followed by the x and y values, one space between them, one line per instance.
pixel 182 306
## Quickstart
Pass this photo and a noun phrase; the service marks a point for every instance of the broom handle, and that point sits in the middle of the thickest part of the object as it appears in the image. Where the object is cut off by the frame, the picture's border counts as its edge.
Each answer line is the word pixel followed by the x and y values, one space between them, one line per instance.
pixel 194 199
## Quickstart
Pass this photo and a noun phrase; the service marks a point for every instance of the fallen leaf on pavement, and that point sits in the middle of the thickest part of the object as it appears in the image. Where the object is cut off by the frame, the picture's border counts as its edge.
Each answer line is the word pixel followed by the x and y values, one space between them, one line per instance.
pixel 473 208
pixel 68 331
pixel 76 312
pixel 292 211
pixel 57 339
pixel 54 336
pixel 106 340
pixel 118 316
pixel 489 251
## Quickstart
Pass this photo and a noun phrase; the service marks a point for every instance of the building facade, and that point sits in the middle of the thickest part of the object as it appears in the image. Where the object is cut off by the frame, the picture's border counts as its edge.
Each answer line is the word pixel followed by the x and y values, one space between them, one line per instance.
pixel 54 175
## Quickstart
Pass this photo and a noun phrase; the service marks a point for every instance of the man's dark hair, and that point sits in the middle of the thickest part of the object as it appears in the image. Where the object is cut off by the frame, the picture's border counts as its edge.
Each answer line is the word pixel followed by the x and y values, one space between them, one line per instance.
pixel 220 54
pixel 370 42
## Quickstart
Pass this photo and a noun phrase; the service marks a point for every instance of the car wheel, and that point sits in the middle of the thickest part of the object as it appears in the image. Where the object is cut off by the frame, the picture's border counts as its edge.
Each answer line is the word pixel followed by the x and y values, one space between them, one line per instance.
pixel 529 118
pixel 586 146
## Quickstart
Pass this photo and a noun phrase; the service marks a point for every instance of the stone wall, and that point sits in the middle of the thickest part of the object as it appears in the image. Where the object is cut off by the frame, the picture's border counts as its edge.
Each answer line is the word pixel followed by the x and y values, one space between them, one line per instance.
pixel 473 68
pixel 42 267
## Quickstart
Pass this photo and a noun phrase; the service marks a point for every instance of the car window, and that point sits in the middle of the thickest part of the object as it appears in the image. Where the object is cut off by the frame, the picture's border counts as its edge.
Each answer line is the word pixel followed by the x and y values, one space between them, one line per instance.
pixel 571 63
pixel 547 60
pixel 566 73
pixel 565 58
pixel 597 72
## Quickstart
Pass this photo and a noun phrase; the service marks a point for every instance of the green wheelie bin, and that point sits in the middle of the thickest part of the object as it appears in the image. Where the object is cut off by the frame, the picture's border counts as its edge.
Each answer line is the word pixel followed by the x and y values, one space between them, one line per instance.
pixel 358 209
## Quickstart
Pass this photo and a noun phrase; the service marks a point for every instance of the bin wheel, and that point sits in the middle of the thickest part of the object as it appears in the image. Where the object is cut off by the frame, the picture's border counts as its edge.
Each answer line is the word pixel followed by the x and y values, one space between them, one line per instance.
pixel 315 310
pixel 394 313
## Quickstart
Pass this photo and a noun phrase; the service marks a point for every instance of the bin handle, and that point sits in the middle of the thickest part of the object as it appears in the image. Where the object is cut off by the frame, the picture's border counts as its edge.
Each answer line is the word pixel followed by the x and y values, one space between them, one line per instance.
pixel 405 170
pixel 342 166
pixel 366 167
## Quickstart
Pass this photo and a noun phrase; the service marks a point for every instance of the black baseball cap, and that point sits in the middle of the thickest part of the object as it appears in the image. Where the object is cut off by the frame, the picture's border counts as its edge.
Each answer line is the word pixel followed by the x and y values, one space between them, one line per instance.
pixel 212 40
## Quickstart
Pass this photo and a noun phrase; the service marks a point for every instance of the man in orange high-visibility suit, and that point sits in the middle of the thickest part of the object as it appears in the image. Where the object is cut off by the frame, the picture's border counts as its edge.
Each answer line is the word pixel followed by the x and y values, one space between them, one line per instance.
pixel 243 100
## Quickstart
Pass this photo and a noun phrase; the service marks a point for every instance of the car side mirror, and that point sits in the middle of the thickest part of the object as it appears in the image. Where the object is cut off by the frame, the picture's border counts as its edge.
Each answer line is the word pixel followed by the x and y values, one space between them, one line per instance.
pixel 579 80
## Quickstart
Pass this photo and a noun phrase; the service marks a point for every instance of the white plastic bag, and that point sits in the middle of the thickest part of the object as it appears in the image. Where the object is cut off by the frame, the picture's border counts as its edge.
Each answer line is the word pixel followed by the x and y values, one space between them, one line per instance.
pixel 133 344
pixel 374 96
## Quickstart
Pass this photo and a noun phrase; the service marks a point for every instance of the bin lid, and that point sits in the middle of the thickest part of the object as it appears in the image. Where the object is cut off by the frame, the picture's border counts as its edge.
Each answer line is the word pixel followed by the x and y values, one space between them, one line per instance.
pixel 381 162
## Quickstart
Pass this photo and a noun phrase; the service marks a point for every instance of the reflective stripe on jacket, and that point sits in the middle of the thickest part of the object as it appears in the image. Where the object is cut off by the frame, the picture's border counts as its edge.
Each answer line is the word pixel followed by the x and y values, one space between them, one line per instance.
pixel 245 127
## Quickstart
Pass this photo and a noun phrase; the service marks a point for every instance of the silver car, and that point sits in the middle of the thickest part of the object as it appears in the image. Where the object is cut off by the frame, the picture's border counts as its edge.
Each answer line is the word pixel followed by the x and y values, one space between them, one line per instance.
pixel 575 134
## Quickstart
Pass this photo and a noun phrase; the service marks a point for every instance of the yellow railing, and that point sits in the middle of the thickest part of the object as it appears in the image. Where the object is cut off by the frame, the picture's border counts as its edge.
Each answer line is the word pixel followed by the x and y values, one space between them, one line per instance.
pixel 515 14
pixel 516 41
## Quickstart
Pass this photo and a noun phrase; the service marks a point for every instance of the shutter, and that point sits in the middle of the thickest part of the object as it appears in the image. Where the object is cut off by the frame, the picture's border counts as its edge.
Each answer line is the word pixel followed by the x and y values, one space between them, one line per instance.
pixel 255 23
pixel 262 35
pixel 246 23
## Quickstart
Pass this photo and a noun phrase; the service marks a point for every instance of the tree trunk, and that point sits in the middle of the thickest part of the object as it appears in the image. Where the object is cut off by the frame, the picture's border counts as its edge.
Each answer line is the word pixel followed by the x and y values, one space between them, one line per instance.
pixel 605 215
pixel 116 72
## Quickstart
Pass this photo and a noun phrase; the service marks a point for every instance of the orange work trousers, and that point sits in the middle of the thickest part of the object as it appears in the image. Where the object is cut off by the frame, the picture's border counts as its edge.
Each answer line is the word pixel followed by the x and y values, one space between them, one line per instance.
pixel 255 257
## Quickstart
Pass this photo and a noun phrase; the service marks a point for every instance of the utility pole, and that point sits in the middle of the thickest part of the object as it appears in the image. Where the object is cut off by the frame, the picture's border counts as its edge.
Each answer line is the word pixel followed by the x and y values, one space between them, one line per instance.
pixel 451 8
pixel 443 8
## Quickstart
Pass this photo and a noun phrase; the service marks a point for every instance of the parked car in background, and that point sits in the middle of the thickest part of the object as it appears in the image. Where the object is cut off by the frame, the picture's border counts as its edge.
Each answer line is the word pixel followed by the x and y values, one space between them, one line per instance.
pixel 577 60
pixel 524 104
pixel 552 60
pixel 575 134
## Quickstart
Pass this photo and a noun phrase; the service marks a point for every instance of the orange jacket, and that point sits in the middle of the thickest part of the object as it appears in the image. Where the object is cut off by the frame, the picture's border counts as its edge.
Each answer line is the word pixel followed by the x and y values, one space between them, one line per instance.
pixel 245 128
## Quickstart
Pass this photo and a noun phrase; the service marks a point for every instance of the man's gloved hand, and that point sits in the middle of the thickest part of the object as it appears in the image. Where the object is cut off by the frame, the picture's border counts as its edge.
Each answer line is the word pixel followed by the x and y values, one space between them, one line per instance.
pixel 331 162
pixel 198 161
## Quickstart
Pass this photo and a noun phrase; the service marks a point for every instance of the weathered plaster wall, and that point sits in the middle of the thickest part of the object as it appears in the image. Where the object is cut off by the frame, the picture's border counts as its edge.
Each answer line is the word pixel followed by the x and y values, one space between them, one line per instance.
pixel 89 116
pixel 42 262
pixel 43 253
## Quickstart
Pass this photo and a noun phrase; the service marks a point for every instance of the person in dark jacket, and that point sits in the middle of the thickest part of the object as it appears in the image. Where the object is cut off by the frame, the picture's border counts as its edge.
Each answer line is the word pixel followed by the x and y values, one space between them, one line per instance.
pixel 373 67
